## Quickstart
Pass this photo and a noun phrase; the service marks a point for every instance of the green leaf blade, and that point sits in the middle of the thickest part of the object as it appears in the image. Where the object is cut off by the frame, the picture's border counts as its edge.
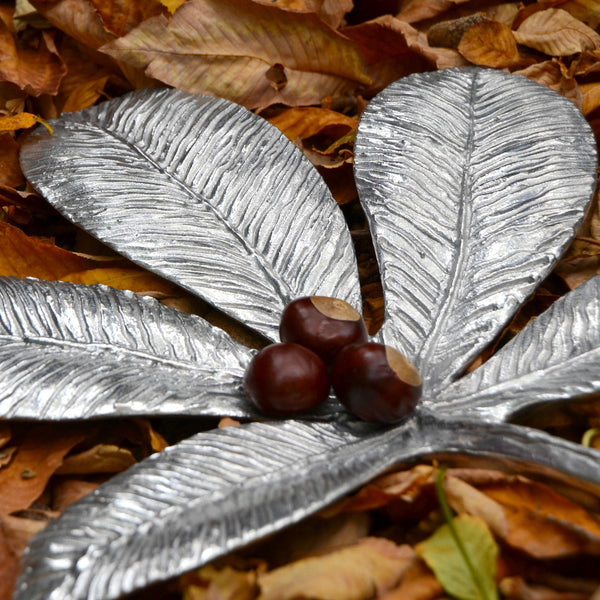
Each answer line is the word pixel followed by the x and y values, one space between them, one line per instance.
pixel 444 558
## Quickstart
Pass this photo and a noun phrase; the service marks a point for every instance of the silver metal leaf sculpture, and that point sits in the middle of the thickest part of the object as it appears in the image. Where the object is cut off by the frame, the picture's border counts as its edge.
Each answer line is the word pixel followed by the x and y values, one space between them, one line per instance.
pixel 202 192
pixel 472 193
pixel 479 191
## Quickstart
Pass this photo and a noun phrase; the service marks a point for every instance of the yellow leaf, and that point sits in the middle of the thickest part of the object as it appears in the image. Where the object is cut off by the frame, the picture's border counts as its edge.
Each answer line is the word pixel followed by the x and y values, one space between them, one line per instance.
pixel 489 44
pixel 23 120
pixel 102 458
pixel 172 5
pixel 557 33
pixel 245 51
pixel 22 256
pixel 363 570
pixel 85 94
pixel 305 122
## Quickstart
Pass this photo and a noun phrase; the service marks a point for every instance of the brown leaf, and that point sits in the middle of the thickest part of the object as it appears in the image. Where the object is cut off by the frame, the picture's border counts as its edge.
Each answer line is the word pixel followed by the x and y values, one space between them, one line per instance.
pixel 489 44
pixel 19 530
pixel 418 583
pixel 209 583
pixel 10 169
pixel 516 588
pixel 121 16
pixel 23 256
pixel 25 200
pixel 9 569
pixel 557 33
pixel 301 123
pixel 35 70
pixel 77 18
pixel 587 11
pixel 233 47
pixel 591 97
pixel 392 49
pixel 529 516
pixel 85 94
pixel 550 74
pixel 330 11
pixel 419 10
pixel 67 491
pixel 372 566
pixel 39 455
pixel 578 269
pixel 102 458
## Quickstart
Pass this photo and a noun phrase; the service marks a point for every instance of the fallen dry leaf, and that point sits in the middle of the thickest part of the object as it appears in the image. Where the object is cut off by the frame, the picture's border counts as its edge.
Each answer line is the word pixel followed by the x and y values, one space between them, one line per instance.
pixel 305 122
pixel 38 456
pixel 209 583
pixel 392 49
pixel 121 16
pixel 549 73
pixel 23 256
pixel 35 68
pixel 557 33
pixel 77 18
pixel 529 516
pixel 372 566
pixel 412 11
pixel 587 11
pixel 9 568
pixel 66 491
pixel 23 120
pixel 85 94
pixel 5 433
pixel 10 169
pixel 418 583
pixel 591 97
pixel 235 50
pixel 330 11
pixel 489 44
pixel 516 588
pixel 102 458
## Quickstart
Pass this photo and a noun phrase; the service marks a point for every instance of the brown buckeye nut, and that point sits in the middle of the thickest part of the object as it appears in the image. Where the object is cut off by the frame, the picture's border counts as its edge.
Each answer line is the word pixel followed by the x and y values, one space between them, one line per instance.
pixel 287 378
pixel 325 325
pixel 375 382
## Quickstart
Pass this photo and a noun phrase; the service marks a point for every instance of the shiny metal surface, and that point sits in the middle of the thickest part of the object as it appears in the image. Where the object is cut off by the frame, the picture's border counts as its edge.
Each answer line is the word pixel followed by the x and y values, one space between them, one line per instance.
pixel 203 192
pixel 73 351
pixel 473 181
pixel 220 490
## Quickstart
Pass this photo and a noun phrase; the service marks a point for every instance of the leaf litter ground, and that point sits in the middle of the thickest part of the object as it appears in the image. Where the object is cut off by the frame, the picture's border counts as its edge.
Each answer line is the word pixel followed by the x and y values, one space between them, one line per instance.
pixel 66 55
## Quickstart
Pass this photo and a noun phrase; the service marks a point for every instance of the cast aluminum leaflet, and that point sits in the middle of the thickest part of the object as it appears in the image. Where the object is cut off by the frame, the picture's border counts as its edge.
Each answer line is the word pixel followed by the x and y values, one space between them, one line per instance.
pixel 473 182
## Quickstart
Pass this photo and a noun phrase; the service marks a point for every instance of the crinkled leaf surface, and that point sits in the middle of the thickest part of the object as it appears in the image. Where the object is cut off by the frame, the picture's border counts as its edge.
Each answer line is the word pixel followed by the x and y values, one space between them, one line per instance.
pixel 202 192
pixel 254 53
pixel 72 351
pixel 220 490
pixel 554 358
pixel 474 182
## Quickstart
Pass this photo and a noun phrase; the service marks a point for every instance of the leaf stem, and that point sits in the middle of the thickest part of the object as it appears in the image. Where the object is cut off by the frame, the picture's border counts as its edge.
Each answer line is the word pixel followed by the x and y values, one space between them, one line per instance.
pixel 448 516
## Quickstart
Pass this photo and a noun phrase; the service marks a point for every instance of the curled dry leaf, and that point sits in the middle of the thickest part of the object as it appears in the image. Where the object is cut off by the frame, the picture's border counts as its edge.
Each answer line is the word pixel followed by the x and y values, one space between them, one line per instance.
pixel 39 454
pixel 412 11
pixel 489 44
pixel 23 256
pixel 330 11
pixel 557 33
pixel 102 458
pixel 301 123
pixel 10 169
pixel 121 16
pixel 549 73
pixel 253 54
pixel 371 567
pixel 584 10
pixel 529 516
pixel 392 49
pixel 77 18
pixel 34 70
pixel 591 97
pixel 418 583
pixel 219 584
pixel 516 588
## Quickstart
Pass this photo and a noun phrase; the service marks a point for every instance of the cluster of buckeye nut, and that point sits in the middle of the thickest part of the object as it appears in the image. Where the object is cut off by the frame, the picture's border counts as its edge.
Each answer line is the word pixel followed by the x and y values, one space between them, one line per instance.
pixel 325 343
